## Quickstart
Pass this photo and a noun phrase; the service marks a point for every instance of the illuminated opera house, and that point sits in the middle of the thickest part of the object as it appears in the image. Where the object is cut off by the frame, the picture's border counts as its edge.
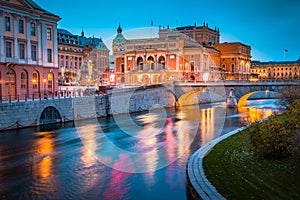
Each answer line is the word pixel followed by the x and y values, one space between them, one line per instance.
pixel 191 53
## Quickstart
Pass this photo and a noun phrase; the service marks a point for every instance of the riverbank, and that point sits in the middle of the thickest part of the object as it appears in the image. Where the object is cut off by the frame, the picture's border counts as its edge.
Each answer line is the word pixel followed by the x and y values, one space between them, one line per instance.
pixel 236 173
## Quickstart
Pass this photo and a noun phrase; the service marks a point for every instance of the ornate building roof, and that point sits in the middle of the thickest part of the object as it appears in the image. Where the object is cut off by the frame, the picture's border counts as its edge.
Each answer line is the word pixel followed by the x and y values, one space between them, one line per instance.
pixel 119 38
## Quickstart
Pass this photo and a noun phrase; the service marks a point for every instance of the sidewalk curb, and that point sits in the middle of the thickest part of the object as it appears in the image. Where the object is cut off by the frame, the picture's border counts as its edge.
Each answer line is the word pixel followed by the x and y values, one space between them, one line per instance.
pixel 195 172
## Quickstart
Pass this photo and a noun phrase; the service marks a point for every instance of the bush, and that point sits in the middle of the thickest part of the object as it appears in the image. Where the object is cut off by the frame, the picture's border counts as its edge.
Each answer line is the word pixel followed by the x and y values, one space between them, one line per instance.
pixel 272 138
pixel 288 96
pixel 278 137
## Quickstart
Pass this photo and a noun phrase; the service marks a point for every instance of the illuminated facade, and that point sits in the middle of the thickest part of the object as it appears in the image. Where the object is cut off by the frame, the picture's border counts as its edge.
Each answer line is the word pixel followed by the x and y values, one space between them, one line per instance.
pixel 28 50
pixel 81 60
pixel 235 60
pixel 171 57
pixel 287 70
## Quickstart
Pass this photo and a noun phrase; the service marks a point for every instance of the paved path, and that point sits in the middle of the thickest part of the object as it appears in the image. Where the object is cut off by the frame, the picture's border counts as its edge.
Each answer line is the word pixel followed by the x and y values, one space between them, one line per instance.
pixel 196 173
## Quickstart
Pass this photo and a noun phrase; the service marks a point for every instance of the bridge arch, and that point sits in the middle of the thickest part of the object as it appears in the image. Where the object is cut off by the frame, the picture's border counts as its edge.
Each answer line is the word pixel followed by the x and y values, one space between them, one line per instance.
pixel 243 100
pixel 189 97
pixel 50 114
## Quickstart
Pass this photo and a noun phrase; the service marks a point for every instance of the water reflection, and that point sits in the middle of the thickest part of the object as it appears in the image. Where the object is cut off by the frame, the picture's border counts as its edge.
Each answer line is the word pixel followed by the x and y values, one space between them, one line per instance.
pixel 45 146
pixel 87 161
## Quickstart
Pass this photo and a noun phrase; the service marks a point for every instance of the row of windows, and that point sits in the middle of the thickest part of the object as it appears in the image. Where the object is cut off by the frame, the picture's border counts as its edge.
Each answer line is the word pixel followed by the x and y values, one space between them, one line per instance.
pixel 70 49
pixel 269 69
pixel 8 26
pixel 22 51
pixel 71 57
pixel 11 78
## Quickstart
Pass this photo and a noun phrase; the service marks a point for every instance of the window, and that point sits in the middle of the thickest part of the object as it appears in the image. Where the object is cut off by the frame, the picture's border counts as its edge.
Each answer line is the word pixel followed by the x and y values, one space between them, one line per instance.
pixel 8 49
pixel 21 26
pixel 33 52
pixel 22 50
pixel 35 80
pixel 49 55
pixel 7 23
pixel 23 80
pixel 192 66
pixel 232 67
pixel 32 29
pixel 48 33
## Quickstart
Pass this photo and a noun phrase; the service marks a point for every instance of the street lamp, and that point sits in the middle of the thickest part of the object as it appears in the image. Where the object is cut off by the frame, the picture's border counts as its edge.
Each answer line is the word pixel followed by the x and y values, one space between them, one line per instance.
pixel 45 94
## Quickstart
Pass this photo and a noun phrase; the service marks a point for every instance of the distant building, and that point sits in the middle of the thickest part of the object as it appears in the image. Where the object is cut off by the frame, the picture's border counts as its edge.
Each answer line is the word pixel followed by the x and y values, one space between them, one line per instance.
pixel 286 70
pixel 70 57
pixel 28 49
pixel 171 57
pixel 82 60
pixel 191 53
pixel 202 34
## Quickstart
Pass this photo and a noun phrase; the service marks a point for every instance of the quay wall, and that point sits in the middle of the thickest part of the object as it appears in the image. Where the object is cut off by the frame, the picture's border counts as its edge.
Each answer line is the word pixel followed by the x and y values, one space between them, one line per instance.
pixel 28 113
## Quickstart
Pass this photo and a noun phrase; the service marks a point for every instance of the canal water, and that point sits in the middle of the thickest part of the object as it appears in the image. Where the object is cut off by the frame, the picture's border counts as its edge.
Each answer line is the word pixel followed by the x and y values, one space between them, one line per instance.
pixel 136 156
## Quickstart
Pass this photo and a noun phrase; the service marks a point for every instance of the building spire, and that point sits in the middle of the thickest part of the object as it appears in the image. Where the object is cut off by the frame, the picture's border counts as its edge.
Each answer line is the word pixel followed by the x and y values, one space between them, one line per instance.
pixel 119 30
pixel 82 32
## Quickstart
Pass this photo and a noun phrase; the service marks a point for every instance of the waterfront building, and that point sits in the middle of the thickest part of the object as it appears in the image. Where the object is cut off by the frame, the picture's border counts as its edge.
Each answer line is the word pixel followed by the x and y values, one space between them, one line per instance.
pixel 284 70
pixel 28 49
pixel 70 57
pixel 172 56
pixel 235 60
pixel 202 34
pixel 81 59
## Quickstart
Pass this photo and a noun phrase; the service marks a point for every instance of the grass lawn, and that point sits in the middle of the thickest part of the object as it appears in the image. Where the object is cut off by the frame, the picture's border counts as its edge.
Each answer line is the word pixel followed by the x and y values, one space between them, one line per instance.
pixel 237 174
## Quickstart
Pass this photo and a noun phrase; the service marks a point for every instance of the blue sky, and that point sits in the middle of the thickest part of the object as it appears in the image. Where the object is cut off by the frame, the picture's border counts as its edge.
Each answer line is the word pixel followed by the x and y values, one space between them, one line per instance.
pixel 268 26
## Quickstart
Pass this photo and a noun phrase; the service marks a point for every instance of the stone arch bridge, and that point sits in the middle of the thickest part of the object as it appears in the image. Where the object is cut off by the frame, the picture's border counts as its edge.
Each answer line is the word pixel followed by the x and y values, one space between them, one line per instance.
pixel 186 93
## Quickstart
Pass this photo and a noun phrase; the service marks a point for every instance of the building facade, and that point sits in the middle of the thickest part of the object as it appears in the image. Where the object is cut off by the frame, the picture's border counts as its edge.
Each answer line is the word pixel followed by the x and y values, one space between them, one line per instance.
pixel 70 57
pixel 287 70
pixel 82 60
pixel 171 57
pixel 28 50
pixel 235 60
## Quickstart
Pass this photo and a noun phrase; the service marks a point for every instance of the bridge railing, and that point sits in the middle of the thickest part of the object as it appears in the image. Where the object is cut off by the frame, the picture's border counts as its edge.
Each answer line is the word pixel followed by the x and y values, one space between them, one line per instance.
pixel 47 96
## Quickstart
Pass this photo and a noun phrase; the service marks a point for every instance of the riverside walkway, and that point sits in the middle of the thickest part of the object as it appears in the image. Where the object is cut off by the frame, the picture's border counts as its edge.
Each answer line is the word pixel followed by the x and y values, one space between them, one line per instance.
pixel 195 172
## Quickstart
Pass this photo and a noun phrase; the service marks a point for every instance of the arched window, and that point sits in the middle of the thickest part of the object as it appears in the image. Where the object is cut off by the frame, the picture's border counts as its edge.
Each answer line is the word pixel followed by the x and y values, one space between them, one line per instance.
pixel 150 62
pixel 140 63
pixel 35 80
pixel 232 68
pixel 11 83
pixel 50 82
pixel 162 62
pixel 23 80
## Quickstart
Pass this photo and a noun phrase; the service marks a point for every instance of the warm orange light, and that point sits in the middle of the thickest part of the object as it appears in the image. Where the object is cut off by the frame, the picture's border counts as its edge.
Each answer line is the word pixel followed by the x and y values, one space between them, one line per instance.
pixel 44 80
pixel 33 81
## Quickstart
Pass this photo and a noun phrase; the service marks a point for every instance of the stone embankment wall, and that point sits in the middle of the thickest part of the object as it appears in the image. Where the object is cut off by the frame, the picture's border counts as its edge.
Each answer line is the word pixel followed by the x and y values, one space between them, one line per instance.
pixel 28 113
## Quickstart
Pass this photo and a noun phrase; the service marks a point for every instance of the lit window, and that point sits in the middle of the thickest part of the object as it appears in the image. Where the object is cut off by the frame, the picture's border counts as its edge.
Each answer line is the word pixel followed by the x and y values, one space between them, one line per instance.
pixel 7 23
pixel 35 80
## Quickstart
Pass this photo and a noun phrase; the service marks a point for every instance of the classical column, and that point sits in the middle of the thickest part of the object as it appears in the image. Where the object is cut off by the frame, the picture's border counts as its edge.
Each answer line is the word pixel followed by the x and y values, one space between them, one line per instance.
pixel 40 51
pixel 125 64
pixel 55 47
pixel 27 31
pixel 15 29
pixel 1 38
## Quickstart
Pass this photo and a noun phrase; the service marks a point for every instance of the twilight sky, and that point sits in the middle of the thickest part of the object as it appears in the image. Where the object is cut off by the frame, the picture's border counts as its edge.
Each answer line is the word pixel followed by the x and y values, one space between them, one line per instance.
pixel 268 26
